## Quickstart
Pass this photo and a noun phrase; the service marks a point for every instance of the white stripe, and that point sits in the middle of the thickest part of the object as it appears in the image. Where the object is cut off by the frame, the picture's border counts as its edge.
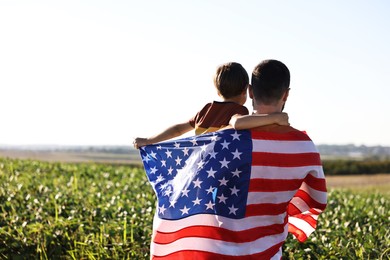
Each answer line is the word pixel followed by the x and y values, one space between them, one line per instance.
pixel 319 196
pixel 210 220
pixel 300 204
pixel 218 246
pixel 272 146
pixel 286 173
pixel 302 225
pixel 270 197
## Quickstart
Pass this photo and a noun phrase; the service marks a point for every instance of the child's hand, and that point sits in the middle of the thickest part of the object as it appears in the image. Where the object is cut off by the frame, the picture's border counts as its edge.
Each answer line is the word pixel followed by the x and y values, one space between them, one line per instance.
pixel 138 142
pixel 281 118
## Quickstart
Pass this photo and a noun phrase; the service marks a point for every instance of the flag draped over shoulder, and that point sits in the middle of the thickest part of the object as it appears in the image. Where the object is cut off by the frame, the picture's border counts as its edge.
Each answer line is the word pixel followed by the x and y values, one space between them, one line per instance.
pixel 233 194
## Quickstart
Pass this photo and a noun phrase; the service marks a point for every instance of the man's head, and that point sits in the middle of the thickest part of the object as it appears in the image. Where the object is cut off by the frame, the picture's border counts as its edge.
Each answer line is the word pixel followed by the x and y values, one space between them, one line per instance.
pixel 270 82
pixel 231 80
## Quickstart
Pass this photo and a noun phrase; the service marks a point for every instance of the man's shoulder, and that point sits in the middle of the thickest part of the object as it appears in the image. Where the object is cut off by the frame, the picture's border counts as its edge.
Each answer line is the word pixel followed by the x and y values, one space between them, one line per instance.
pixel 278 132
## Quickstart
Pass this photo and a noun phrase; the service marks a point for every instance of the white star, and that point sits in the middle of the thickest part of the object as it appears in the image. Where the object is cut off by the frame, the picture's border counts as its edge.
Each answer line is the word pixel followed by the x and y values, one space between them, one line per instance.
pixel 172 203
pixel 211 173
pixel 232 210
pixel 197 201
pixel 214 137
pixel 185 193
pixel 177 145
pixel 163 163
pixel 236 154
pixel 168 192
pixel 185 151
pixel 210 190
pixel 159 147
pixel 225 144
pixel 197 183
pixel 203 147
pixel 234 190
pixel 193 141
pixel 209 205
pixel 162 209
pixel 223 181
pixel 200 164
pixel 222 199
pixel 236 173
pixel 153 170
pixel 170 170
pixel 168 153
pixel 146 158
pixel 236 136
pixel 153 154
pixel 160 178
pixel 184 210
pixel 213 154
pixel 224 163
pixel 178 161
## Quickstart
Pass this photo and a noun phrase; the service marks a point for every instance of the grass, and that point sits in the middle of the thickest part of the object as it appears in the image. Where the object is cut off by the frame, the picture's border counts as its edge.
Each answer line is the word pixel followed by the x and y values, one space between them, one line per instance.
pixel 101 211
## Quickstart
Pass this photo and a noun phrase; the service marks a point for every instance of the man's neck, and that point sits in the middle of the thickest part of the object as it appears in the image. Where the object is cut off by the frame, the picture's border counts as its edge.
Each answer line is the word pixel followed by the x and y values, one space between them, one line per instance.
pixel 266 109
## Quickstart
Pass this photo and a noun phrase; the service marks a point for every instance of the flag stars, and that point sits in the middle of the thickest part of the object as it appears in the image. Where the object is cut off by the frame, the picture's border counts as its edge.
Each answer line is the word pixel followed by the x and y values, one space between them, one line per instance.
pixel 236 173
pixel 211 173
pixel 197 183
pixel 200 164
pixel 194 142
pixel 178 160
pixel 168 153
pixel 185 151
pixel 223 181
pixel 177 145
pixel 185 193
pixel 170 170
pixel 162 209
pixel 159 147
pixel 236 154
pixel 203 148
pixel 163 163
pixel 213 154
pixel 209 205
pixel 232 210
pixel 197 201
pixel 236 136
pixel 222 198
pixel 234 190
pixel 153 154
pixel 153 170
pixel 210 190
pixel 184 210
pixel 172 203
pixel 225 145
pixel 224 163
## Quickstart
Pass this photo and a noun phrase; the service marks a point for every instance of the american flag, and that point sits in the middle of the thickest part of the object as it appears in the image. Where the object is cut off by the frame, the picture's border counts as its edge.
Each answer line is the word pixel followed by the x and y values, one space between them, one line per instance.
pixel 233 194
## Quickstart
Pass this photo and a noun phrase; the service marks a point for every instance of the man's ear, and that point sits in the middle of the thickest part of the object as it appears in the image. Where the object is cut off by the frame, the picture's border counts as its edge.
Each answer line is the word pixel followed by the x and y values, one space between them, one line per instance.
pixel 250 90
pixel 285 95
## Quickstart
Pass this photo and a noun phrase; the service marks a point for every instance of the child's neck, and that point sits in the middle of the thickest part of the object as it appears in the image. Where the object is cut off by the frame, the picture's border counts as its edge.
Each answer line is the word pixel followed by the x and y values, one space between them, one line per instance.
pixel 233 99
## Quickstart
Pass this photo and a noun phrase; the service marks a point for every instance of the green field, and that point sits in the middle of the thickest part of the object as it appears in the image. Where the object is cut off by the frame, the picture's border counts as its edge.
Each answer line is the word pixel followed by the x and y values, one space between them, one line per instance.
pixel 100 211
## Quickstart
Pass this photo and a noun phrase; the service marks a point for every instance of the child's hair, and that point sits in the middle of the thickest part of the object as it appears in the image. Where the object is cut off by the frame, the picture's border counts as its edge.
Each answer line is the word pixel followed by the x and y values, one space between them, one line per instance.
pixel 270 79
pixel 231 79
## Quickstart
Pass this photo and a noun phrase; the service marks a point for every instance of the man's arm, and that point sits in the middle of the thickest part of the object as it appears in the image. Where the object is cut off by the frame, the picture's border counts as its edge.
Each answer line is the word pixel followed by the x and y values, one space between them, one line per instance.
pixel 250 121
pixel 171 132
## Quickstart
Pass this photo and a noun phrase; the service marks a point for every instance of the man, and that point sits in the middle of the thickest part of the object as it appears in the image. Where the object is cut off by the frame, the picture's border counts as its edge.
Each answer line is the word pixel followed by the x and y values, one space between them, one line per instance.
pixel 236 194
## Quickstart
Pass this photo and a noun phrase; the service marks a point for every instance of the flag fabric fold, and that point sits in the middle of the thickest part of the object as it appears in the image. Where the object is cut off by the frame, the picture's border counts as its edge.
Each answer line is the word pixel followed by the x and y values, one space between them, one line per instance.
pixel 233 194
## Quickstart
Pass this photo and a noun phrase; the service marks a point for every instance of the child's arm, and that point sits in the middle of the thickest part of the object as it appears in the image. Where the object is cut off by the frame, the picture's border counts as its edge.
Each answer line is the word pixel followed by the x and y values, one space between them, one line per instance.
pixel 250 121
pixel 170 132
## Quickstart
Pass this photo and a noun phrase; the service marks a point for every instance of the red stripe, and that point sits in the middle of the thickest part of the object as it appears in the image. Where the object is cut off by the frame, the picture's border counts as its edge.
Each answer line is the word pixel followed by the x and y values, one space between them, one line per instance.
pixel 218 233
pixel 266 209
pixel 192 254
pixel 293 210
pixel 269 185
pixel 299 234
pixel 285 160
pixel 312 203
pixel 315 183
pixel 286 136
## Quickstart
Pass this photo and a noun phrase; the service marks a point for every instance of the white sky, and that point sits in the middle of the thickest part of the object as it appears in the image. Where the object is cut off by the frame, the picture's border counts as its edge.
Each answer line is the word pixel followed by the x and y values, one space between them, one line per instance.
pixel 102 72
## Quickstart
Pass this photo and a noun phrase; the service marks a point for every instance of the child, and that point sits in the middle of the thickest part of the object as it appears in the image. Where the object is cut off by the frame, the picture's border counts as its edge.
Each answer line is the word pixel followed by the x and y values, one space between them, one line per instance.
pixel 231 81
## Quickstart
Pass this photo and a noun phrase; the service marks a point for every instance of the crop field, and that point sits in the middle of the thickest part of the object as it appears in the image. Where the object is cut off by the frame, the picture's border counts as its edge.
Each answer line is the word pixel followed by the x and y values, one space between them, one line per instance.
pixel 52 210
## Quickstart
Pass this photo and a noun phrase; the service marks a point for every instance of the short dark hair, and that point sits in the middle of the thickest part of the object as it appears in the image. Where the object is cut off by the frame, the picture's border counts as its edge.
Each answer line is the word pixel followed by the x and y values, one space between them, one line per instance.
pixel 231 79
pixel 270 80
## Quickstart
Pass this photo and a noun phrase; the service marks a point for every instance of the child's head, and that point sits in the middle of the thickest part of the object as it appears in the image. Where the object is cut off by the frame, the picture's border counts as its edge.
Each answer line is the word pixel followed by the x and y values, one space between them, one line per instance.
pixel 231 80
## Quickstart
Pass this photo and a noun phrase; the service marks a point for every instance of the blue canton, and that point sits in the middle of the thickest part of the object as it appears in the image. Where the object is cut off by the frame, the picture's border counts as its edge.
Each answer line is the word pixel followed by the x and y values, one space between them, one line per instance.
pixel 204 174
